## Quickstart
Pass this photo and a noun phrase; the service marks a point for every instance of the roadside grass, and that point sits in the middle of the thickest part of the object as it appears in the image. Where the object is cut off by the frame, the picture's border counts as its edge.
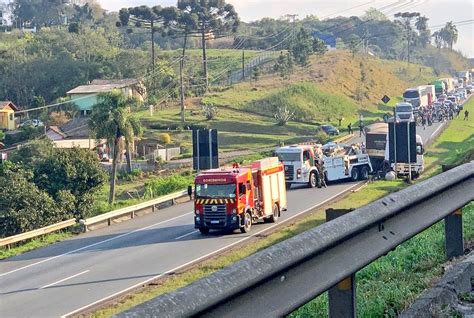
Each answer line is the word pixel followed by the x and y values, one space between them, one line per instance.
pixel 42 241
pixel 385 287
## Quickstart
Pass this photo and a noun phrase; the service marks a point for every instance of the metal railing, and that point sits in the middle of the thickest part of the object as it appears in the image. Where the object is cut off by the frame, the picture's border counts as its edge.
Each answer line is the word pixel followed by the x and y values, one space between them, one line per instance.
pixel 281 278
pixel 35 233
pixel 107 217
pixel 131 210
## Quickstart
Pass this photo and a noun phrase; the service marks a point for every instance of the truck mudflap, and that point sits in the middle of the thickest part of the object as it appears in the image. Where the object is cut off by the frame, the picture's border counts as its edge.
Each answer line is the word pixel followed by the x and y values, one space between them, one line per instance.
pixel 230 222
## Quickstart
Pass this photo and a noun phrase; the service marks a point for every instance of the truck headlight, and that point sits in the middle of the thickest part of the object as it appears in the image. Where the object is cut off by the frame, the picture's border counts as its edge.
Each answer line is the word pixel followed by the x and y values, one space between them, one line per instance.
pixel 198 219
pixel 197 212
pixel 234 211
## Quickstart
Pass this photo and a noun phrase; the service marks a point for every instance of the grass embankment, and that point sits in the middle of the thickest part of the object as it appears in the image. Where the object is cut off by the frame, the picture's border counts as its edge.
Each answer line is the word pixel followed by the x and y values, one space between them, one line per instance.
pixel 34 244
pixel 385 287
pixel 333 86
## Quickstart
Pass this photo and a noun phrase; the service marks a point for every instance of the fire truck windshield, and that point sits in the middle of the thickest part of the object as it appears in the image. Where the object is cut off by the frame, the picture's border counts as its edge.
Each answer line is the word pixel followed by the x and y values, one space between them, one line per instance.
pixel 215 191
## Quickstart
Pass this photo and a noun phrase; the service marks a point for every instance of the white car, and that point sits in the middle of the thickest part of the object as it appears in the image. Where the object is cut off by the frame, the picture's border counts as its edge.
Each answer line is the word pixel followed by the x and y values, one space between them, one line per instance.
pixel 32 123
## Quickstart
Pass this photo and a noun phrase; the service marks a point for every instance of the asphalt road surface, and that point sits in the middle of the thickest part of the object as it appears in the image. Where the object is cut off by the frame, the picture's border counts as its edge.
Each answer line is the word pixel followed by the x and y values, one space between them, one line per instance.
pixel 67 277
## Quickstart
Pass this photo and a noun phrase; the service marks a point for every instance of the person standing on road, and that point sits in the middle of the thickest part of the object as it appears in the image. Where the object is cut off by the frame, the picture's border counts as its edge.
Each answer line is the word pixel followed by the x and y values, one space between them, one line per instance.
pixel 349 129
pixel 361 128
pixel 466 115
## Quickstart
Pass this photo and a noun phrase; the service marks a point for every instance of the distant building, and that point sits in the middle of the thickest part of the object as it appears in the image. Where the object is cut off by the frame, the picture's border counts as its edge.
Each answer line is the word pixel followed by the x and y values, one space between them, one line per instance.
pixel 7 115
pixel 330 40
pixel 75 133
pixel 86 96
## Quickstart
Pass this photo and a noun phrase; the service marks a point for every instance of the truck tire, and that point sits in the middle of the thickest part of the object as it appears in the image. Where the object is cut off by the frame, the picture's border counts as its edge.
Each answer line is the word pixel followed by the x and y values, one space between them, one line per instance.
pixel 247 223
pixel 275 215
pixel 313 180
pixel 364 173
pixel 204 230
pixel 288 186
pixel 355 174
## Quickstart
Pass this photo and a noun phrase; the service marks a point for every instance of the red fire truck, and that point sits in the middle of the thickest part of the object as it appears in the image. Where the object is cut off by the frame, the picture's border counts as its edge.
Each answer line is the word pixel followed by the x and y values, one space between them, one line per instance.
pixel 235 198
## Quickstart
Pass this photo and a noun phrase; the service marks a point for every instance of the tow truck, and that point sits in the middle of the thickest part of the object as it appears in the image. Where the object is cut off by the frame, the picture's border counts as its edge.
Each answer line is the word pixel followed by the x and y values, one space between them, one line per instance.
pixel 235 198
pixel 344 162
pixel 300 162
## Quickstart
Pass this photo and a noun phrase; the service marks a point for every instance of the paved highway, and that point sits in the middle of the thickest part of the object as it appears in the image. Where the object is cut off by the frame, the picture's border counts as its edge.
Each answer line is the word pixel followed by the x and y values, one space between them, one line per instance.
pixel 70 276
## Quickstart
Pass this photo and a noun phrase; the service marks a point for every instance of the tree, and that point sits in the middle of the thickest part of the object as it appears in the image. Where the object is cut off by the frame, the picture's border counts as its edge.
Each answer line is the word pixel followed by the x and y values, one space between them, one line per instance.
pixel 216 18
pixel 438 39
pixel 75 171
pixel 353 44
pixel 209 111
pixel 373 14
pixel 449 34
pixel 424 34
pixel 302 47
pixel 256 74
pixel 281 65
pixel 112 119
pixel 143 17
pixel 319 47
pixel 39 13
pixel 33 153
pixel 24 206
pixel 406 19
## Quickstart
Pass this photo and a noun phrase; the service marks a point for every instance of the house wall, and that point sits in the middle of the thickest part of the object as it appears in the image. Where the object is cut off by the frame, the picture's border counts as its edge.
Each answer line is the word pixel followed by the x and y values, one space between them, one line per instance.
pixel 7 119
pixel 85 102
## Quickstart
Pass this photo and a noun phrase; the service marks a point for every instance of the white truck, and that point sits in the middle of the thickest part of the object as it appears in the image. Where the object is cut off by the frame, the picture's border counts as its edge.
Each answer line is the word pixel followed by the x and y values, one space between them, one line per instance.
pixel 300 164
pixel 342 163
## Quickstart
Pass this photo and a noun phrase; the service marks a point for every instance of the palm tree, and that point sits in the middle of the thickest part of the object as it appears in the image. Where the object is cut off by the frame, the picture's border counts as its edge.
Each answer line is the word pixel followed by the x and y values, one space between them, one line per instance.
pixel 450 34
pixel 438 39
pixel 112 119
pixel 421 23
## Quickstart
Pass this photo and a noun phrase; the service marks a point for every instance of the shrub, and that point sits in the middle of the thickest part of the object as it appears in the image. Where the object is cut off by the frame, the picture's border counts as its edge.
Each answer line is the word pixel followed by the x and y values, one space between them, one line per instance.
pixel 159 186
pixel 210 111
pixel 165 138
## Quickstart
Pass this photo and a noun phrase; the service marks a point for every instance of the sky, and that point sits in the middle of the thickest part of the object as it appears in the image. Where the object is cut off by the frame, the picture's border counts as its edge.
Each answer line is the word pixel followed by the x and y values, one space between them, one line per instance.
pixel 439 11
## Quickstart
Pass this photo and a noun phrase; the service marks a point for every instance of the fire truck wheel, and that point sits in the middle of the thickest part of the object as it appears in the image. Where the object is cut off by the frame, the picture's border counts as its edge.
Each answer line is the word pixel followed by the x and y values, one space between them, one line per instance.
pixel 364 173
pixel 247 223
pixel 276 214
pixel 204 230
pixel 313 182
pixel 355 174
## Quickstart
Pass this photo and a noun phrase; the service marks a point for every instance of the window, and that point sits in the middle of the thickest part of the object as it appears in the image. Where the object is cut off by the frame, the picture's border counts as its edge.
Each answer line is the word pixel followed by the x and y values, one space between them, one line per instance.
pixel 214 191
pixel 306 155
pixel 411 94
pixel 289 156
pixel 11 117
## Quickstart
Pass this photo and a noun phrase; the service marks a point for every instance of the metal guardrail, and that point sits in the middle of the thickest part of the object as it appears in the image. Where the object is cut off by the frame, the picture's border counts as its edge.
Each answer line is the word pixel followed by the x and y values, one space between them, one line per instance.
pixel 35 233
pixel 131 210
pixel 281 278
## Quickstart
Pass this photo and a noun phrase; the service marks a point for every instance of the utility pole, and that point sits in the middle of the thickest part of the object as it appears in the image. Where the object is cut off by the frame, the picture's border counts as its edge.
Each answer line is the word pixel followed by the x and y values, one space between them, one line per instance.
pixel 292 17
pixel 183 107
pixel 243 64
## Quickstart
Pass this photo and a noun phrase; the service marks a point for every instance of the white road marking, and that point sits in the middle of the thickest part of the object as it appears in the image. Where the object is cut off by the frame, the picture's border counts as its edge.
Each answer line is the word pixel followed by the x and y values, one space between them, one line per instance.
pixel 64 279
pixel 185 235
pixel 437 129
pixel 205 256
pixel 95 244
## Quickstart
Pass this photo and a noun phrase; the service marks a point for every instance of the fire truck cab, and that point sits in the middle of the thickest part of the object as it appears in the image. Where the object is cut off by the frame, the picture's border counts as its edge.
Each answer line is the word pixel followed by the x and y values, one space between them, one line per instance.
pixel 237 197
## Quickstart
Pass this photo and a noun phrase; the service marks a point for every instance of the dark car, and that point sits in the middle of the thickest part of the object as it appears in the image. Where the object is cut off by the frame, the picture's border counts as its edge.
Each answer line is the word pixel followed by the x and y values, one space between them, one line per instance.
pixel 330 130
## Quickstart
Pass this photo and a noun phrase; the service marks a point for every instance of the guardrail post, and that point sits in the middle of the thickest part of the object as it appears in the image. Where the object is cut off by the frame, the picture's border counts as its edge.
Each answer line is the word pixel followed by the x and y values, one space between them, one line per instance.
pixel 454 235
pixel 453 229
pixel 342 297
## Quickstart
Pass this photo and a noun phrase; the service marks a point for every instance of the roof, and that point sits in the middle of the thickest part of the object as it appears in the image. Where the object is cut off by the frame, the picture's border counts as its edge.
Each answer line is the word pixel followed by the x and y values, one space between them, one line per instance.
pixel 4 104
pixel 103 86
pixel 57 130
pixel 76 128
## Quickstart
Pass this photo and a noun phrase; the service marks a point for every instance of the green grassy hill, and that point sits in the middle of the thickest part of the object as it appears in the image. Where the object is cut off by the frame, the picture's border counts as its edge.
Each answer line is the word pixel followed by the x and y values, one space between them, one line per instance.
pixel 333 86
